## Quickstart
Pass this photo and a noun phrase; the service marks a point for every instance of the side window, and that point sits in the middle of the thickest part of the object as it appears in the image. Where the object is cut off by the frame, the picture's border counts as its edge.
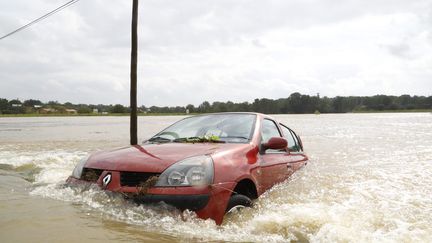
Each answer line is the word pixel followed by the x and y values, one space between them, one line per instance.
pixel 269 130
pixel 299 147
pixel 293 144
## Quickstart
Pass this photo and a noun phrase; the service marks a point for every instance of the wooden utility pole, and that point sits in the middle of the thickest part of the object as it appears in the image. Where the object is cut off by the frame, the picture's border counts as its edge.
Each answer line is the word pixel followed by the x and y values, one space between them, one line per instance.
pixel 133 75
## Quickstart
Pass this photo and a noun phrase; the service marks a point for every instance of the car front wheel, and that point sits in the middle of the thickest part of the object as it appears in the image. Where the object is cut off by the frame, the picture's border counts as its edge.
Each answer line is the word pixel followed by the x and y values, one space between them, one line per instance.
pixel 237 202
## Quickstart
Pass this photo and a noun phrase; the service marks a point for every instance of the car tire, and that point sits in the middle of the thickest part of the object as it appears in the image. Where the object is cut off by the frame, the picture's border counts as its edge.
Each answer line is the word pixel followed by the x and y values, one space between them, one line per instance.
pixel 237 202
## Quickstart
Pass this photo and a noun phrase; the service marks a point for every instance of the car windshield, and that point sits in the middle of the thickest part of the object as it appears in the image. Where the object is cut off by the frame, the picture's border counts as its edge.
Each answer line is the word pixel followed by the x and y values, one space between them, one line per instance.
pixel 225 128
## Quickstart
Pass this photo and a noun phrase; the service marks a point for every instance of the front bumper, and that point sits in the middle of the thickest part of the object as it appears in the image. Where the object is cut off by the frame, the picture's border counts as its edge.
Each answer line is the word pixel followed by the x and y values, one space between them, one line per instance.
pixel 208 201
pixel 182 202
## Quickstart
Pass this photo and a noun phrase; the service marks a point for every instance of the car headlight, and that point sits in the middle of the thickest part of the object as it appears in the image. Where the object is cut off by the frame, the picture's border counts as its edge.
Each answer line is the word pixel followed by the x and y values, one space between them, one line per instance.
pixel 193 171
pixel 79 168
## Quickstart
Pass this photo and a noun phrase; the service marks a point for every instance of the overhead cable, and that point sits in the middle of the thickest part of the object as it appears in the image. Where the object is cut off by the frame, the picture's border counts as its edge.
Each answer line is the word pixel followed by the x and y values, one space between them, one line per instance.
pixel 40 18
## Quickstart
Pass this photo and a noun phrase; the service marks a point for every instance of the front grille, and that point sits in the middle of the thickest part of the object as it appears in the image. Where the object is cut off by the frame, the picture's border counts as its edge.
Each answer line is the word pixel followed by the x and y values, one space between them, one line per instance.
pixel 135 178
pixel 91 175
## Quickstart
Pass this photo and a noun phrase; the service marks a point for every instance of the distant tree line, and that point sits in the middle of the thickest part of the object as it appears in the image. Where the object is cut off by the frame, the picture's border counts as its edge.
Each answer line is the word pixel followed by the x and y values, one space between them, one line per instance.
pixel 296 103
pixel 31 106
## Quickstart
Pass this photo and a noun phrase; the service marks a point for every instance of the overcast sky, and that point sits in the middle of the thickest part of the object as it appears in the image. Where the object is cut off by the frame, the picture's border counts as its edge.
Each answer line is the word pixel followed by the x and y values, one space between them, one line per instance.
pixel 216 50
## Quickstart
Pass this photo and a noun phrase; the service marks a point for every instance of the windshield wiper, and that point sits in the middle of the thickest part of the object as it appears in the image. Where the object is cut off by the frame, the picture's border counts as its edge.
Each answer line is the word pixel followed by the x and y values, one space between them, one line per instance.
pixel 235 137
pixel 197 140
pixel 181 140
pixel 159 139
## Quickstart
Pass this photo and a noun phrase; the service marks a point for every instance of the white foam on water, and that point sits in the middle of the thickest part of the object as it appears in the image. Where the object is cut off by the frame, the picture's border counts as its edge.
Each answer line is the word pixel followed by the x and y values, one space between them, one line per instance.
pixel 156 218
pixel 54 165
pixel 353 207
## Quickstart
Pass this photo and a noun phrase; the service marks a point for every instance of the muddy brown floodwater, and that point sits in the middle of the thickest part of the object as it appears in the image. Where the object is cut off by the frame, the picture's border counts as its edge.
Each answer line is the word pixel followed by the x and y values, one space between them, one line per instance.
pixel 369 180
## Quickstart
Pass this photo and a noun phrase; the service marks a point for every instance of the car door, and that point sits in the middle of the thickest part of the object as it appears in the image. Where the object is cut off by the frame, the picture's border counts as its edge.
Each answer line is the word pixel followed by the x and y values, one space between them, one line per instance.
pixel 273 163
pixel 296 156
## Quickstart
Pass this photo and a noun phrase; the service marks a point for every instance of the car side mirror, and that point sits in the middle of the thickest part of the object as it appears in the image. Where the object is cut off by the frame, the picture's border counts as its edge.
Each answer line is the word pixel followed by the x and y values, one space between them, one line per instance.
pixel 276 143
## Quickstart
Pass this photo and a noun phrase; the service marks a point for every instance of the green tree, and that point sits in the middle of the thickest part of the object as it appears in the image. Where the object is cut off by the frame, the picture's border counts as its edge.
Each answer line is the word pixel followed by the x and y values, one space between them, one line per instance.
pixel 325 105
pixel 15 102
pixel 295 103
pixel 118 109
pixel 32 103
pixel 4 104
pixel 191 108
pixel 84 109
pixel 204 107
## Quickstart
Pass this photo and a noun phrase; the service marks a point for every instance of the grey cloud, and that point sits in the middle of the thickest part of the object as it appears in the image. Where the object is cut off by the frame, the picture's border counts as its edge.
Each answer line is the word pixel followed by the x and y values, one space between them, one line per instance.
pixel 191 51
pixel 401 50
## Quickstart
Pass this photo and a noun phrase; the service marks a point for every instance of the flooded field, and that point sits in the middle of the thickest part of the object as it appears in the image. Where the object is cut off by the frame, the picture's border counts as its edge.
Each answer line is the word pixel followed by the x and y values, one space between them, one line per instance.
pixel 369 180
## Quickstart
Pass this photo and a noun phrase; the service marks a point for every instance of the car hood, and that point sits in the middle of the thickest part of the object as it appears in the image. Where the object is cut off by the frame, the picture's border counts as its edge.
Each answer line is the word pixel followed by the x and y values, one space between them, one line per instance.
pixel 153 157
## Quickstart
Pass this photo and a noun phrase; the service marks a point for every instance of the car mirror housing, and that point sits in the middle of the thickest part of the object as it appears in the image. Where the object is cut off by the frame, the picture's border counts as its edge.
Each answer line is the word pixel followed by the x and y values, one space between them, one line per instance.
pixel 276 143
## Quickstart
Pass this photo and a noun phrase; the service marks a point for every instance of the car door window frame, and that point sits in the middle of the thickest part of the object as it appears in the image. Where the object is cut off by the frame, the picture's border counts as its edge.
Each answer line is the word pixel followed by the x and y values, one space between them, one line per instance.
pixel 272 151
pixel 294 137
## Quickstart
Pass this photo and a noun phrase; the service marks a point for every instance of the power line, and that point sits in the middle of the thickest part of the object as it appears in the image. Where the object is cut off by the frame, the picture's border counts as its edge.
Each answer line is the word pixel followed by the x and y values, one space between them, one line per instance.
pixel 41 18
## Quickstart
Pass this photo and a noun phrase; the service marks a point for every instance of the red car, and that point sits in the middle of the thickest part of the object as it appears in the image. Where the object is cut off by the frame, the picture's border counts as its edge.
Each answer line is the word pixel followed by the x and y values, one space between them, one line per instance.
pixel 211 164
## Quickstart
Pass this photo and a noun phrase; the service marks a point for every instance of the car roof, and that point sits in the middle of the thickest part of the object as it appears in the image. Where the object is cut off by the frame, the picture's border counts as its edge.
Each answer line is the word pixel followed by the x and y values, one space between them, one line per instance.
pixel 252 113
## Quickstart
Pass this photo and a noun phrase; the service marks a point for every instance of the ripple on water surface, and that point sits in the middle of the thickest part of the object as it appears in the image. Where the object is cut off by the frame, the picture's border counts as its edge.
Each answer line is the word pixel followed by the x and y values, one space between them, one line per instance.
pixel 366 182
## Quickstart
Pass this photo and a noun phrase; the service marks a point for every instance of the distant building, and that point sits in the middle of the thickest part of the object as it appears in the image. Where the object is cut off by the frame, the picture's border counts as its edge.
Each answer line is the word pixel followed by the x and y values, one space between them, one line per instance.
pixel 37 106
pixel 16 105
pixel 71 111
pixel 47 111
pixel 95 111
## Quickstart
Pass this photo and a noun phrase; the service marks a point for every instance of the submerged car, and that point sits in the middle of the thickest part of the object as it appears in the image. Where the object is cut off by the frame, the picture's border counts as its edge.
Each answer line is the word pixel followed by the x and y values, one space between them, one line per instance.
pixel 211 164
